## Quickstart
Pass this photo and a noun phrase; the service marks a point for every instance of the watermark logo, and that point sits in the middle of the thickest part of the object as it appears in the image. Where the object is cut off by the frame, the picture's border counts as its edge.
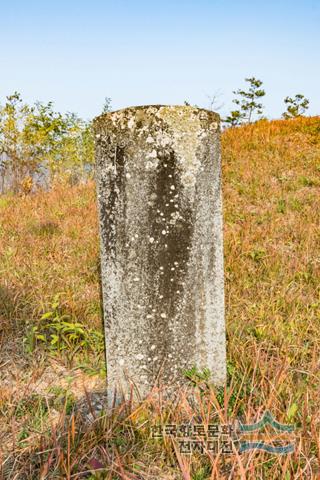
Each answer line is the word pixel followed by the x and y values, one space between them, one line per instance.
pixel 267 419
pixel 228 438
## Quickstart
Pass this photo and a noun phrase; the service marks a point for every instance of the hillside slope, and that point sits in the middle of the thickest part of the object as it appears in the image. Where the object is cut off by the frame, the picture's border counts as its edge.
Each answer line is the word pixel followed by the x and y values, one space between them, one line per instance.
pixel 271 192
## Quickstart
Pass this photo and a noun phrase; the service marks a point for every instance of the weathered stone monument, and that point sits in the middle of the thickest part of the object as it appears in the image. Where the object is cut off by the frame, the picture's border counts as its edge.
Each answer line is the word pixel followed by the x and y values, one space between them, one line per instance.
pixel 159 195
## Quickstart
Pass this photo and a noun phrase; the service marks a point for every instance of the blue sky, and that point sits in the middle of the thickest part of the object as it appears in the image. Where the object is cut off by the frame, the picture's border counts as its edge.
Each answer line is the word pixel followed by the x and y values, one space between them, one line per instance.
pixel 148 52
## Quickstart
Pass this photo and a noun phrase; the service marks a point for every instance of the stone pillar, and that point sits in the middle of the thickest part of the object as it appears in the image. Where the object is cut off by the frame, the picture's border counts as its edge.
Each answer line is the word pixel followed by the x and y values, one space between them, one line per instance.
pixel 159 196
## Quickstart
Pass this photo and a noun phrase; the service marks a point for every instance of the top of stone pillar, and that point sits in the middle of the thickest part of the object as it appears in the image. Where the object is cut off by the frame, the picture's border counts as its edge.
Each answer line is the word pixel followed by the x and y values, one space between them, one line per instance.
pixel 152 109
pixel 156 129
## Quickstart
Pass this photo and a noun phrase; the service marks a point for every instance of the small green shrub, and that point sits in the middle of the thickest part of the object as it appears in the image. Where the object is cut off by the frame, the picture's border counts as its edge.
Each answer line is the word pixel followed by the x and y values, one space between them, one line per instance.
pixel 59 332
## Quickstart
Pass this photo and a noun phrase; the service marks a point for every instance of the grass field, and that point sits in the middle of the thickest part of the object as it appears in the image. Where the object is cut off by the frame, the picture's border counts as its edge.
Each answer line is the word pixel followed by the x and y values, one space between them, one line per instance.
pixel 52 346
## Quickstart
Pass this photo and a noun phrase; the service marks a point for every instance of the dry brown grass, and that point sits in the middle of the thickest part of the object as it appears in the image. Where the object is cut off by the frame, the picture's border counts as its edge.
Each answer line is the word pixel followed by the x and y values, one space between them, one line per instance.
pixel 49 245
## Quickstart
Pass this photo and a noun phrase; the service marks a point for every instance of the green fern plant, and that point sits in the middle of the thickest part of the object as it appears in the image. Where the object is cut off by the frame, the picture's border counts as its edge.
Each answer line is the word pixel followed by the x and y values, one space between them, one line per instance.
pixel 58 332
